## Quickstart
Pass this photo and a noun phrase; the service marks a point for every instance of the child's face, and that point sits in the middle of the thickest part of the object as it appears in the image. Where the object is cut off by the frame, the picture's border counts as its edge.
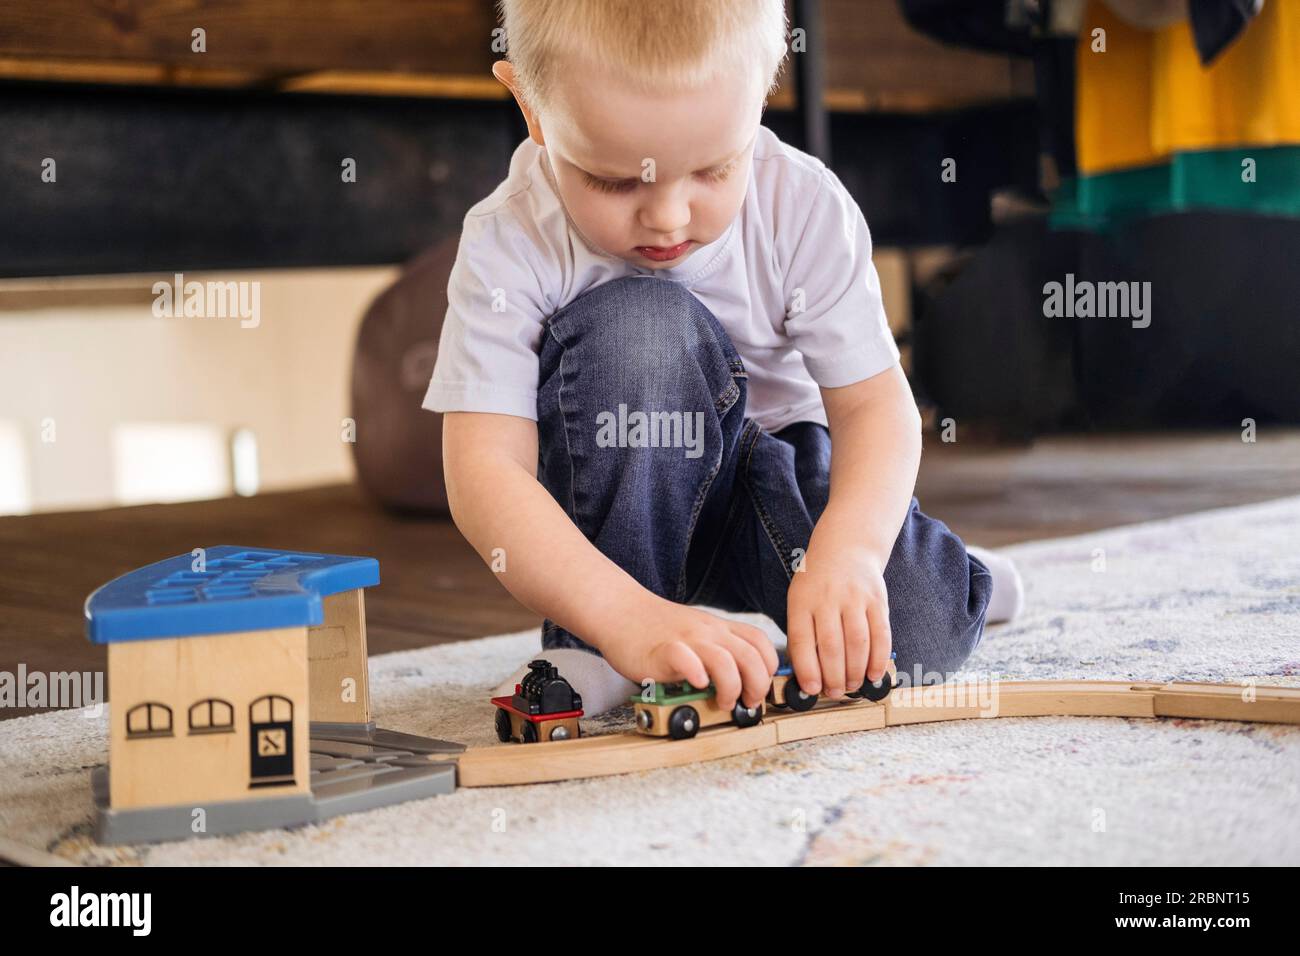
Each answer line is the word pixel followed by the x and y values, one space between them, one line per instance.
pixel 651 178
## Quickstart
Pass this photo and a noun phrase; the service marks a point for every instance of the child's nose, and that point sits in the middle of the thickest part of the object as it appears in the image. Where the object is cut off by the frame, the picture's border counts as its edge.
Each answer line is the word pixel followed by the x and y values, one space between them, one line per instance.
pixel 666 215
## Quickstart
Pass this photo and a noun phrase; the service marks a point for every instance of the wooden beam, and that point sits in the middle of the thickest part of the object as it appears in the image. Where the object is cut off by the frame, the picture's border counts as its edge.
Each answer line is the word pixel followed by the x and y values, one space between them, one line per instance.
pixel 267 36
pixel 871 59
pixel 123 73
pixel 334 82
pixel 421 85
pixel 872 49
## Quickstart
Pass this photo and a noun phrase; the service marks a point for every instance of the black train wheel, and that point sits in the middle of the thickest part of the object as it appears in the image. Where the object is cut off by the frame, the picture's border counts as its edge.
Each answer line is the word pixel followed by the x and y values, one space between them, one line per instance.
pixel 876 692
pixel 684 723
pixel 743 716
pixel 795 698
pixel 530 732
pixel 504 732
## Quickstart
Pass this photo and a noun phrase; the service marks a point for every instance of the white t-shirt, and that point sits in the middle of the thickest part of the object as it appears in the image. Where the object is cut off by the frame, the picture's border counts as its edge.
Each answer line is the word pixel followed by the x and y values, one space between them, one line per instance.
pixel 791 281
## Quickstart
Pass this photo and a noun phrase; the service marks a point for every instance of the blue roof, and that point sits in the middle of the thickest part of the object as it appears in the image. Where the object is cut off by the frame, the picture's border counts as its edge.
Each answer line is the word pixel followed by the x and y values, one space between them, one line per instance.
pixel 239 589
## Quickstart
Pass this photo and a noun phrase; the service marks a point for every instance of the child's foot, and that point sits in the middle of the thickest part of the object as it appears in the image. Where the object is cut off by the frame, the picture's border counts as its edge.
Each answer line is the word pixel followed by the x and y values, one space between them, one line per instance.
pixel 601 687
pixel 1008 598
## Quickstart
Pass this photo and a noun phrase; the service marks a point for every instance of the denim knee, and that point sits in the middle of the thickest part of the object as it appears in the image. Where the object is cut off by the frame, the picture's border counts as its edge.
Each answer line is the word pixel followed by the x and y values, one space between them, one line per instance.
pixel 634 482
pixel 938 596
pixel 636 339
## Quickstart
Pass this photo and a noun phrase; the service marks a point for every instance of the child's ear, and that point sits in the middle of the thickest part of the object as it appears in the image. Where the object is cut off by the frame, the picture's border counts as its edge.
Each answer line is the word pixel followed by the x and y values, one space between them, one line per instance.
pixel 504 71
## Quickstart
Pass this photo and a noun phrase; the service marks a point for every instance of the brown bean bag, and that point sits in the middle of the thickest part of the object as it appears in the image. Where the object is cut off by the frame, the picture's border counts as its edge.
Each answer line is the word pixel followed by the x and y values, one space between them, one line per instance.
pixel 398 447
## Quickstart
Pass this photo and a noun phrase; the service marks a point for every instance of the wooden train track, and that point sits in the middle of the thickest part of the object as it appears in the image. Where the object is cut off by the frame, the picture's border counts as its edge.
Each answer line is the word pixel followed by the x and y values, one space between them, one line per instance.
pixel 611 754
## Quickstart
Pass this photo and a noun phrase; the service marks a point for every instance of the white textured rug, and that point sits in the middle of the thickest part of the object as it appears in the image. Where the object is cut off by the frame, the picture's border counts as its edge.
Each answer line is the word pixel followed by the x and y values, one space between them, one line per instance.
pixel 1207 597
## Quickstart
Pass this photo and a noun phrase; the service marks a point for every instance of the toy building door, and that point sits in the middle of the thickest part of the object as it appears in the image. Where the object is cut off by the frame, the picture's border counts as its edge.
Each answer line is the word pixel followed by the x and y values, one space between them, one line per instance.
pixel 270 731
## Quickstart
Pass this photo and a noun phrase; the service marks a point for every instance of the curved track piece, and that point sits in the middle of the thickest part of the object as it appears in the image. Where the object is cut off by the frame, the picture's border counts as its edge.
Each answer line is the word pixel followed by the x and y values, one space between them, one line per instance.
pixel 612 754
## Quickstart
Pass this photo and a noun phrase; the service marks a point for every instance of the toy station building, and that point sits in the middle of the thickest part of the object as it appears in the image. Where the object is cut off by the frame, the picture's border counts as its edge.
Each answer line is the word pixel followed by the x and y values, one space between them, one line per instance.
pixel 238 684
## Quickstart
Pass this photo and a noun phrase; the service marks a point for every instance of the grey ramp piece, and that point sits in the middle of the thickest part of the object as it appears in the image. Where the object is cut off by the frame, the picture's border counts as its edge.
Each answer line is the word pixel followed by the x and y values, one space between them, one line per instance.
pixel 323 728
pixel 362 771
pixel 405 783
pixel 421 760
pixel 354 751
pixel 378 737
pixel 320 762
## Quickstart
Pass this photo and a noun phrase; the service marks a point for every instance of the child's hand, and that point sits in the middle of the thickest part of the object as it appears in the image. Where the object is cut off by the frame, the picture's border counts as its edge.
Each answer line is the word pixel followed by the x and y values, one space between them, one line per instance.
pixel 671 642
pixel 837 624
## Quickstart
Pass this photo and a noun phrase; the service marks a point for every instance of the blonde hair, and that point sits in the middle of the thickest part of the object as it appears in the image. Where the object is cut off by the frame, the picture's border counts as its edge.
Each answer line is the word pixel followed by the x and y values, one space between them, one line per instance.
pixel 670 45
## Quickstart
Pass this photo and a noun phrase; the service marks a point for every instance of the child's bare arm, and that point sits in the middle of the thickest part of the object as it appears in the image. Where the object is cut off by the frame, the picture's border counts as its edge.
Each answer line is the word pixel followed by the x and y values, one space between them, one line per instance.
pixel 495 498
pixel 838 620
pixel 497 502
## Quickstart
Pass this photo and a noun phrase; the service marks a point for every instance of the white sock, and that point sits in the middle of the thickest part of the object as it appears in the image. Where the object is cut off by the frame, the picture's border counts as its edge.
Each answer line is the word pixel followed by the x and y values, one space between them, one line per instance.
pixel 601 687
pixel 1008 598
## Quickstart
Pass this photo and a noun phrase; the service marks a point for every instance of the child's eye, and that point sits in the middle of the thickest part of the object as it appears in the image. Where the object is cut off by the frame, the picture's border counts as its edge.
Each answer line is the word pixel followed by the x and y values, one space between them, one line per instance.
pixel 610 185
pixel 718 174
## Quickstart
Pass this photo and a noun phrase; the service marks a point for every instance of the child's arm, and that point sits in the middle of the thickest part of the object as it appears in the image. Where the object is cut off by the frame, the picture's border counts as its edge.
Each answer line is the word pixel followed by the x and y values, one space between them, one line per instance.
pixel 497 502
pixel 838 607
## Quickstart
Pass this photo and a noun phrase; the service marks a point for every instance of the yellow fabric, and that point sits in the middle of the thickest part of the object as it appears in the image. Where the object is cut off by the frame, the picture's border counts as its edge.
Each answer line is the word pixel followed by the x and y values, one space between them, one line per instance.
pixel 1148 96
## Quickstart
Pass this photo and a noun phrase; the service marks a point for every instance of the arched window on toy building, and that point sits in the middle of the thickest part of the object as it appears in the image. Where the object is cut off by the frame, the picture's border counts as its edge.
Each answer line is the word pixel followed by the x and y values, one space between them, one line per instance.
pixel 212 716
pixel 150 719
pixel 270 709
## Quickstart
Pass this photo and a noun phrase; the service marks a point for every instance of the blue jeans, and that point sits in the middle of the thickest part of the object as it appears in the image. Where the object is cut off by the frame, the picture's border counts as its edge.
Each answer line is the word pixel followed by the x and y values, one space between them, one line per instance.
pixel 717 513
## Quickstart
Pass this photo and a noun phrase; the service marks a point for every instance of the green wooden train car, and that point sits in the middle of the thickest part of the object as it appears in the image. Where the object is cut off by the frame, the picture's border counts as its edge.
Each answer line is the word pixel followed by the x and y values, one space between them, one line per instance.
pixel 679 711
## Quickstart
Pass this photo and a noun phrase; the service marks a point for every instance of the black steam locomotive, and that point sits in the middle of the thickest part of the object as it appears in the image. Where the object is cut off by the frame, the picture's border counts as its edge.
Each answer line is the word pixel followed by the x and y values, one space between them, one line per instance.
pixel 544 707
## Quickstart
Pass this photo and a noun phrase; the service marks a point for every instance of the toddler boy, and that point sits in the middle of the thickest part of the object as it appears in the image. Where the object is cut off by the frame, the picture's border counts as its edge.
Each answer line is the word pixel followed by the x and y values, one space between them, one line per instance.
pixel 657 325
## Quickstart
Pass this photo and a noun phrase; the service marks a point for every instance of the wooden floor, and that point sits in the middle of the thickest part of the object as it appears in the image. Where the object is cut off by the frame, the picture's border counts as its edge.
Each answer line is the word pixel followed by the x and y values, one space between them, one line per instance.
pixel 435 589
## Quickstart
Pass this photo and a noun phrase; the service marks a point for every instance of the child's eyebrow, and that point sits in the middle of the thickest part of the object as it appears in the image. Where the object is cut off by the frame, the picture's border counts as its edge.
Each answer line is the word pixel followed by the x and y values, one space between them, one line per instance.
pixel 730 159
pixel 703 169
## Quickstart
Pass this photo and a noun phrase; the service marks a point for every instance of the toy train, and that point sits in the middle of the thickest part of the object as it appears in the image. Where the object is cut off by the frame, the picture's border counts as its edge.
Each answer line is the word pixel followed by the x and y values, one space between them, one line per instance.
pixel 544 707
pixel 786 693
pixel 678 710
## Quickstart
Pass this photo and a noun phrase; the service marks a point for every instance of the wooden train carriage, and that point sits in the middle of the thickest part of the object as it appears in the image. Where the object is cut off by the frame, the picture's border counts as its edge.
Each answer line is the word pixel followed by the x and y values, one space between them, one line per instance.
pixel 785 690
pixel 680 711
